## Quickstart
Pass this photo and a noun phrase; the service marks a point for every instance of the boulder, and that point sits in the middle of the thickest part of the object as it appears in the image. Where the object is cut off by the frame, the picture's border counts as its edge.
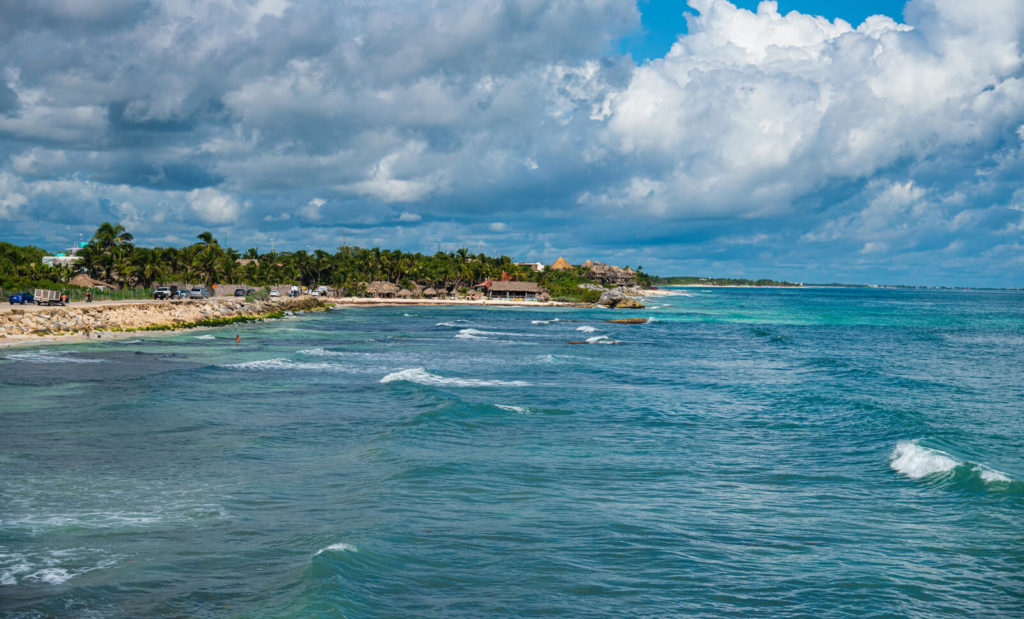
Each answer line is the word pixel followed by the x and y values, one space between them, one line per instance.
pixel 628 321
pixel 616 298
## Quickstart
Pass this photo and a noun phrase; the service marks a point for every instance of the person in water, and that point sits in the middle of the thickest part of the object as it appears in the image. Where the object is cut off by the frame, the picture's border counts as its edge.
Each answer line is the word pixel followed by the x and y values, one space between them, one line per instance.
pixel 238 339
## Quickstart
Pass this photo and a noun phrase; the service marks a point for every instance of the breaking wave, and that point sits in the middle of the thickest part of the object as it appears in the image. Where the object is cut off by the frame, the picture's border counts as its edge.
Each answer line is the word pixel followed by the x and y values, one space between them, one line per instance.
pixel 51 567
pixel 477 334
pixel 544 322
pixel 284 364
pixel 322 352
pixel 587 329
pixel 514 409
pixel 916 461
pixel 339 547
pixel 205 337
pixel 422 377
pixel 48 356
pixel 460 323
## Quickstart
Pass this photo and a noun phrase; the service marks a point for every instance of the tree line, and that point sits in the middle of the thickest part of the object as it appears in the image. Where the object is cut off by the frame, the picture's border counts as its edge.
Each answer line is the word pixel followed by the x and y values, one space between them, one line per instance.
pixel 112 256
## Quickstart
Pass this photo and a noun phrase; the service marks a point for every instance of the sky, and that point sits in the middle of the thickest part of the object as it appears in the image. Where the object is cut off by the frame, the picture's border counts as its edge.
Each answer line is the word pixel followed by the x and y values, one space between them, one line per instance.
pixel 869 142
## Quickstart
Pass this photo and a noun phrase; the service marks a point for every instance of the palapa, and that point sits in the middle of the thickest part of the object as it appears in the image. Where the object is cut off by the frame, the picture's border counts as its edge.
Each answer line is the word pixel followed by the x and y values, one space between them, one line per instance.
pixel 382 289
pixel 85 281
pixel 404 294
pixel 429 292
pixel 561 264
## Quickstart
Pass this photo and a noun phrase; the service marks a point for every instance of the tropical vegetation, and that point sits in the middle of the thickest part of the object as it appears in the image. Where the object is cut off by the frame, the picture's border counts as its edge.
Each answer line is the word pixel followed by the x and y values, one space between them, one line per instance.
pixel 112 256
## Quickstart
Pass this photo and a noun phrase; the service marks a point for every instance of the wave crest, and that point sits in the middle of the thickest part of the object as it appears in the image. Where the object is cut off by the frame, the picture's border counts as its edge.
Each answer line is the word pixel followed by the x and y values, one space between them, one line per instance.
pixel 339 547
pixel 917 461
pixel 421 376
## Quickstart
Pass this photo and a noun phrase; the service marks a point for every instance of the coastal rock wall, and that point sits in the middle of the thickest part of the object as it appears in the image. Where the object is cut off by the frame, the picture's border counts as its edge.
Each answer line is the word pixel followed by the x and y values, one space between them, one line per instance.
pixel 131 316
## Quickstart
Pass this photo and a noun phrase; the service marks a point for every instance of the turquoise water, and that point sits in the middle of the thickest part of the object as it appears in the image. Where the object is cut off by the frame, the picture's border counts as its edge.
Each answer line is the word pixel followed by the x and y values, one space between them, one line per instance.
pixel 819 453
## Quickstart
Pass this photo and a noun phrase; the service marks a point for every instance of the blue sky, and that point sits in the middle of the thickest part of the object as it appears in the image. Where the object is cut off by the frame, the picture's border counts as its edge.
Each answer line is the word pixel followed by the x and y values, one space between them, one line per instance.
pixel 868 142
pixel 662 20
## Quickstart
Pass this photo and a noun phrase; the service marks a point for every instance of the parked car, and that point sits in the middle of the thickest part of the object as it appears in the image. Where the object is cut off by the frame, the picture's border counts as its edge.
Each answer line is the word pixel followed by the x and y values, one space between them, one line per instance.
pixel 183 294
pixel 199 293
pixel 22 298
pixel 240 292
pixel 166 292
pixel 274 292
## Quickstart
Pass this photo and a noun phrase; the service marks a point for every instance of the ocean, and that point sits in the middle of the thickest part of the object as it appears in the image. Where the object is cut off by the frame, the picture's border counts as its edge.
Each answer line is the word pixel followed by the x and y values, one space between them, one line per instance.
pixel 748 452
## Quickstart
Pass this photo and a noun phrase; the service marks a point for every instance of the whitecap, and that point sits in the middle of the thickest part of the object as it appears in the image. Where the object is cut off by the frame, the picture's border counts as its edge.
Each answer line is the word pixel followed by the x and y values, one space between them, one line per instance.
pixel 544 322
pixel 50 575
pixel 321 352
pixel 994 476
pixel 407 315
pixel 339 547
pixel 46 567
pixel 206 337
pixel 514 409
pixel 547 359
pixel 454 323
pixel 48 356
pixel 284 364
pixel 586 329
pixel 423 377
pixel 916 461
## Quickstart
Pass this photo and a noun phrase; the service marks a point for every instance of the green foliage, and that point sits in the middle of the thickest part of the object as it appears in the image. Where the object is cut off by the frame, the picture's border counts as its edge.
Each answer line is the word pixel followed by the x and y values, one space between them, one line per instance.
pixel 565 286
pixel 112 256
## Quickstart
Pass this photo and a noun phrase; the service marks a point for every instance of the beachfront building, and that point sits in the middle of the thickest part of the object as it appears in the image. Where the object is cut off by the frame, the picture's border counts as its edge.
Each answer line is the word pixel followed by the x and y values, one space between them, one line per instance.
pixel 536 267
pixel 66 258
pixel 382 290
pixel 511 290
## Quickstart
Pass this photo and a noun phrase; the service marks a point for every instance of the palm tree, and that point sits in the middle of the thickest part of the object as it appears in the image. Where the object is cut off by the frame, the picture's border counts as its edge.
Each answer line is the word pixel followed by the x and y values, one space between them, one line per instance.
pixel 149 266
pixel 110 235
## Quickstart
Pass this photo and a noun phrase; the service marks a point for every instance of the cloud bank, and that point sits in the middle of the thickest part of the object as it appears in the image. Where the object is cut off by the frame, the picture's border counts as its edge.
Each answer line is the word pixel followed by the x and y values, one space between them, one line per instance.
pixel 762 144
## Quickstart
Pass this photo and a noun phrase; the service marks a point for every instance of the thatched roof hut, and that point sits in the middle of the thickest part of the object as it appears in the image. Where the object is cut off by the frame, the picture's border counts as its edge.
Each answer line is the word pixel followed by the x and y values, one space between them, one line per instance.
pixel 561 264
pixel 512 290
pixel 382 290
pixel 87 282
pixel 429 292
pixel 404 294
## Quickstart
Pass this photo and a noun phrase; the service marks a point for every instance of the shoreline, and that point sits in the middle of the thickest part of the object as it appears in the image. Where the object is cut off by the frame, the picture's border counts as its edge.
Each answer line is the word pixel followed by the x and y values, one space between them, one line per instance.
pixel 151 317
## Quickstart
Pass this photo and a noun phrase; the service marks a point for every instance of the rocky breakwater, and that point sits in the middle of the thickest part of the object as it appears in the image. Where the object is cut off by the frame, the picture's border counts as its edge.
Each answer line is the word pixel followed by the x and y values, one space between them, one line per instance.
pixel 619 298
pixel 149 316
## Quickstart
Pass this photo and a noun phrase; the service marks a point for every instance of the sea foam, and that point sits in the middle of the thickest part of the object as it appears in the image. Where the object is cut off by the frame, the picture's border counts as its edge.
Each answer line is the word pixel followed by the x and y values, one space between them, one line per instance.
pixel 280 364
pixel 513 408
pixel 339 547
pixel 48 356
pixel 916 461
pixel 477 334
pixel 322 352
pixel 422 377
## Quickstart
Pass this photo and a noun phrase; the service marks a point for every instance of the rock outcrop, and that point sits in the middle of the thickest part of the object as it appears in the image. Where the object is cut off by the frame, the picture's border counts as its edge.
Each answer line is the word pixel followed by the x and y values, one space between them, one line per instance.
pixel 611 274
pixel 628 321
pixel 616 298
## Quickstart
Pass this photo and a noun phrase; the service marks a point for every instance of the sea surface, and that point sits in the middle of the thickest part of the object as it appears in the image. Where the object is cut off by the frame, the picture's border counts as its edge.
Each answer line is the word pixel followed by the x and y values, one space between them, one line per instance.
pixel 748 452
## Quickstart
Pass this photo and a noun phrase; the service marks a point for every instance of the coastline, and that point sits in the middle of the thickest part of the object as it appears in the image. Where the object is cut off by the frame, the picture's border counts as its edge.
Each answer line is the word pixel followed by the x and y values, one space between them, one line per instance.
pixel 118 320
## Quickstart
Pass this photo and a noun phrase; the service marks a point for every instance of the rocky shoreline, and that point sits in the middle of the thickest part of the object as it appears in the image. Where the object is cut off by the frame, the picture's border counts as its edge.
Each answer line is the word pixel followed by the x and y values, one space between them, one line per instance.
pixel 82 319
